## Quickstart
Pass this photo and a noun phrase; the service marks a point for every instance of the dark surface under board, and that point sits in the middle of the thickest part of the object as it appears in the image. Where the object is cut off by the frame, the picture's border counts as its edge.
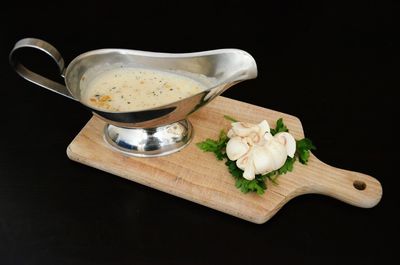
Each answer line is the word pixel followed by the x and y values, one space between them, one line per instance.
pixel 329 64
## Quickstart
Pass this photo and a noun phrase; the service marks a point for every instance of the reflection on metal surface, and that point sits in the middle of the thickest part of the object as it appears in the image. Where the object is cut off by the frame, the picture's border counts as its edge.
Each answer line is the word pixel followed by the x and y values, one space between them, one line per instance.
pixel 150 142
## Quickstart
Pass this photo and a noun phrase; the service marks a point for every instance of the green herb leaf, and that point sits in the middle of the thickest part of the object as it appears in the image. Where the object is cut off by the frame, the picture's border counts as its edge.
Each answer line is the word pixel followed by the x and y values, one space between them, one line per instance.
pixel 256 185
pixel 280 127
pixel 288 166
pixel 303 148
pixel 215 146
pixel 233 169
pixel 229 118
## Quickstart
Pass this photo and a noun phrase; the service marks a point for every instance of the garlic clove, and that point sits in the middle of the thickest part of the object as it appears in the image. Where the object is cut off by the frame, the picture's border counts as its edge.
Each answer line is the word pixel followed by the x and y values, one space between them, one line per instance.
pixel 231 133
pixel 264 127
pixel 277 152
pixel 268 137
pixel 245 163
pixel 249 172
pixel 236 148
pixel 242 162
pixel 279 161
pixel 243 129
pixel 288 141
pixel 262 160
pixel 254 138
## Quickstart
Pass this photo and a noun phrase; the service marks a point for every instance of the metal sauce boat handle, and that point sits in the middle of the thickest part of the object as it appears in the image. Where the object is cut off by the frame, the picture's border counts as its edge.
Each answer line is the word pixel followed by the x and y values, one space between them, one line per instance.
pixel 34 77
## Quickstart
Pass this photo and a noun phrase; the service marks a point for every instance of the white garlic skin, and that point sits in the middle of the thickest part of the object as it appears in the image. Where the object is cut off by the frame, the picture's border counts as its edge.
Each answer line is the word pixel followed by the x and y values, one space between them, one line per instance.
pixel 236 148
pixel 288 141
pixel 246 164
pixel 243 129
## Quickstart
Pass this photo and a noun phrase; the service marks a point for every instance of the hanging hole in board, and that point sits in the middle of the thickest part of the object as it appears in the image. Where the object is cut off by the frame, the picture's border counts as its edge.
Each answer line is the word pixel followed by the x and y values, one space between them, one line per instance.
pixel 359 185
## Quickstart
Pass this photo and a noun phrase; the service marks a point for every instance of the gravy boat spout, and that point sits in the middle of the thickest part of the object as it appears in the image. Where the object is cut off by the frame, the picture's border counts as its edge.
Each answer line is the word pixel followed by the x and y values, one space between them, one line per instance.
pixel 154 131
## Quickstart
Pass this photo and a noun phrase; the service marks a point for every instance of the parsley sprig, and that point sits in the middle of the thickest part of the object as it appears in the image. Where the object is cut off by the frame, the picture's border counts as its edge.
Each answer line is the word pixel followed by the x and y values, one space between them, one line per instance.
pixel 258 184
pixel 280 127
pixel 215 146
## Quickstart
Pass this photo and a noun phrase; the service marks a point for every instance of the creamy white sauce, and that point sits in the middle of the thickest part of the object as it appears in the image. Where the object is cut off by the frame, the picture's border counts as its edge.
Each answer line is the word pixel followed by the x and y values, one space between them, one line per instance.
pixel 133 89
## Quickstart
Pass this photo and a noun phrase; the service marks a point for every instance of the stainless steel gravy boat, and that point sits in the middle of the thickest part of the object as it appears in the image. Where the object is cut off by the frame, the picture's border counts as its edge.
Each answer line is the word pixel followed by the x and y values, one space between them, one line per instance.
pixel 151 132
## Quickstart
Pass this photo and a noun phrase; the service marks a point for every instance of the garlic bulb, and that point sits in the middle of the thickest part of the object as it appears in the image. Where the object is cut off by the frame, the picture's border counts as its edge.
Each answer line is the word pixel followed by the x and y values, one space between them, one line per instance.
pixel 256 150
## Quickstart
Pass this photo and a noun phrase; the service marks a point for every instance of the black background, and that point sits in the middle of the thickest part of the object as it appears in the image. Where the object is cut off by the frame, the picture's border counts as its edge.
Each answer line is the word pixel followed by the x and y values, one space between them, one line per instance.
pixel 331 64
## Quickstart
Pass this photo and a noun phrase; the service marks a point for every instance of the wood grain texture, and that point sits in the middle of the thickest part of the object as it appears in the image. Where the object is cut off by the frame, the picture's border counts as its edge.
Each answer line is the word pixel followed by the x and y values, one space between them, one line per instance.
pixel 197 176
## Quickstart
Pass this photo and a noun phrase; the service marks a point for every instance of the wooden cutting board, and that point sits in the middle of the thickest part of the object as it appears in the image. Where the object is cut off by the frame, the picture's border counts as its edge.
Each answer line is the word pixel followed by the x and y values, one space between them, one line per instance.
pixel 197 176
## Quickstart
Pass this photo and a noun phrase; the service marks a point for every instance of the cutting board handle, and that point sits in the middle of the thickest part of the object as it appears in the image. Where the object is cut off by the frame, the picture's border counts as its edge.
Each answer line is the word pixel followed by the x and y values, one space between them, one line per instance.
pixel 355 188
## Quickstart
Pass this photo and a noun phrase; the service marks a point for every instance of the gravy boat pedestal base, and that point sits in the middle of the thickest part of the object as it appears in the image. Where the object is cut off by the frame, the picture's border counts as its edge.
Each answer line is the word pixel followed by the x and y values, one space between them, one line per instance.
pixel 149 142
